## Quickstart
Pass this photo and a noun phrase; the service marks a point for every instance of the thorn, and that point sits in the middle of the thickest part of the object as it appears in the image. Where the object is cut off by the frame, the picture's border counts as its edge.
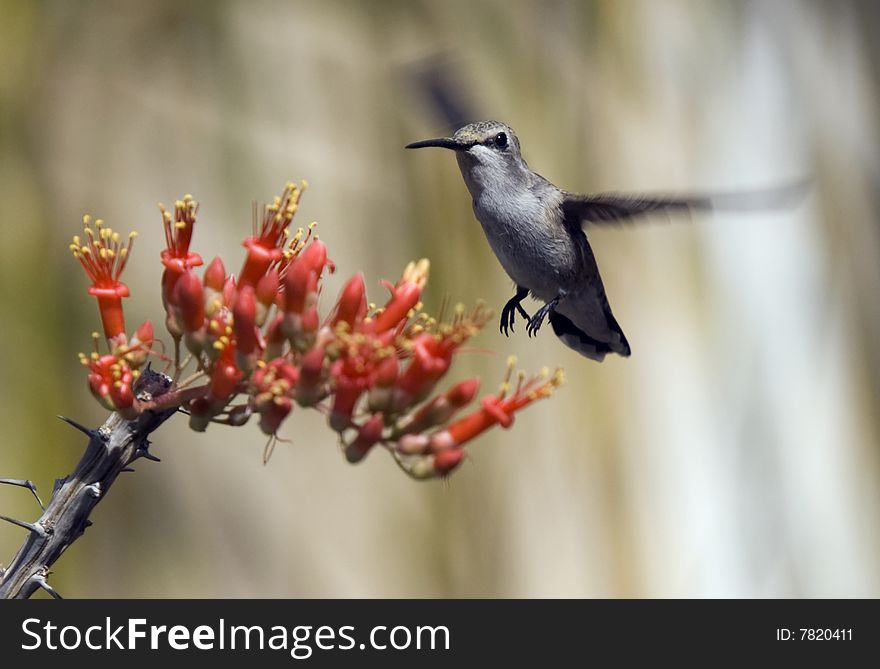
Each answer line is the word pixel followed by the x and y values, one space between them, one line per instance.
pixel 126 469
pixel 144 452
pixel 149 456
pixel 87 523
pixel 82 428
pixel 40 580
pixel 25 483
pixel 36 528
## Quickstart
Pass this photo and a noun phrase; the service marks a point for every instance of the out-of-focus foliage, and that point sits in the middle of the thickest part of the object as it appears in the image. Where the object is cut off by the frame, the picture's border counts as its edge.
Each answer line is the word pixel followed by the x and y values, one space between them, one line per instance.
pixel 734 454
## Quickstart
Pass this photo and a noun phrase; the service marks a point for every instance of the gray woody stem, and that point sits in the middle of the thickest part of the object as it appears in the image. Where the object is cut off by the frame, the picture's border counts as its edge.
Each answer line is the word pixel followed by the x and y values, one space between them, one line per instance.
pixel 111 449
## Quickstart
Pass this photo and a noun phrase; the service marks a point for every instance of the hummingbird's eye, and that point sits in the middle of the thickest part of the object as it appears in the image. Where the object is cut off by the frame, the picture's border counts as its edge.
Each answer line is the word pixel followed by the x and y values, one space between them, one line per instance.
pixel 500 140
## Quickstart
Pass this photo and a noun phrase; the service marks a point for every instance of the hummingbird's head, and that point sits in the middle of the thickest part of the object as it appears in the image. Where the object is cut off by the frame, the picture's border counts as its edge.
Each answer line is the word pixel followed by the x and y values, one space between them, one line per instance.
pixel 483 142
pixel 488 155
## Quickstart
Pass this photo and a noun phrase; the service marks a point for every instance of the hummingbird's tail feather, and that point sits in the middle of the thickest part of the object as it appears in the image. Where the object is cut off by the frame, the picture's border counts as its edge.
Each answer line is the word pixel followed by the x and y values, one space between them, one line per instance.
pixel 578 340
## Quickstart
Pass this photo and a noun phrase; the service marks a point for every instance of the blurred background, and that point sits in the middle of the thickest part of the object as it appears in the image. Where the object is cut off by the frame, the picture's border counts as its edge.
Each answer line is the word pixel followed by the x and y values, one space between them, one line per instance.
pixel 735 454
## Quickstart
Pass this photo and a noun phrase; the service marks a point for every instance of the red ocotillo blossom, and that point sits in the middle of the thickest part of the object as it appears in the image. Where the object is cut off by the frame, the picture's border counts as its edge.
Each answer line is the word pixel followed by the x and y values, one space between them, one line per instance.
pixel 103 256
pixel 260 345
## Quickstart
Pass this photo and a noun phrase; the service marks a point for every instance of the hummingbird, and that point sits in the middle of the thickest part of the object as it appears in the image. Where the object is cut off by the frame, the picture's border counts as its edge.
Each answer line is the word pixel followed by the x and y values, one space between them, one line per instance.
pixel 536 231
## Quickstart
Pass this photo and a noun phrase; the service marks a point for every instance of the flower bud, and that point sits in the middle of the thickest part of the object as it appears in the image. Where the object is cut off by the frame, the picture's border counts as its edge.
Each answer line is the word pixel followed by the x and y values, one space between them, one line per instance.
pixel 189 301
pixel 352 305
pixel 266 293
pixel 200 414
pixel 368 436
pixel 215 279
pixel 437 464
pixel 386 376
pixel 311 387
pixel 245 328
pixel 273 413
pixel 140 345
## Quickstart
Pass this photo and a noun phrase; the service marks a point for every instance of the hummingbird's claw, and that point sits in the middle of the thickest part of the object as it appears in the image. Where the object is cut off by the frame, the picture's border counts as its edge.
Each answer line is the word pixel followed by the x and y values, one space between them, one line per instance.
pixel 537 320
pixel 508 313
pixel 508 316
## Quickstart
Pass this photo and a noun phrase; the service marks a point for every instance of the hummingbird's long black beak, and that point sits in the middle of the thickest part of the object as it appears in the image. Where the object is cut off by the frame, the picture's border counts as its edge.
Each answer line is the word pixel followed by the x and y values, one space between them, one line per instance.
pixel 442 142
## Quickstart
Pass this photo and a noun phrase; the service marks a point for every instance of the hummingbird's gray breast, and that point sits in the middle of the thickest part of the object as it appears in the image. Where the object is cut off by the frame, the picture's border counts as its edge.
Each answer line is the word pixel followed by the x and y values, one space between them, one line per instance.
pixel 524 228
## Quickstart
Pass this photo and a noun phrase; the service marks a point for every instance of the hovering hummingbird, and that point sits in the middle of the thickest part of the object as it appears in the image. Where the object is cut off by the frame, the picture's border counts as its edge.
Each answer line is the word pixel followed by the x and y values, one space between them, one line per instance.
pixel 536 231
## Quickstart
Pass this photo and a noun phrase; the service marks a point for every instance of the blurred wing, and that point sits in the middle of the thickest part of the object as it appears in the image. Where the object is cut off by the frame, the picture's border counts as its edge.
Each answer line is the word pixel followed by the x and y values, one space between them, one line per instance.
pixel 611 208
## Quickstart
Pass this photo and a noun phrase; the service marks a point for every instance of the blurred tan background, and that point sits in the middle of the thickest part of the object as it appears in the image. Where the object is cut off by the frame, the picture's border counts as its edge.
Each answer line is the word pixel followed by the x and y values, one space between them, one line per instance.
pixel 735 454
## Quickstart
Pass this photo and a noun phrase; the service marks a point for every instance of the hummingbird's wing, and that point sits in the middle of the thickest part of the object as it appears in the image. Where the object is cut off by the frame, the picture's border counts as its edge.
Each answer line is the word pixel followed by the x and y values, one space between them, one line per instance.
pixel 612 208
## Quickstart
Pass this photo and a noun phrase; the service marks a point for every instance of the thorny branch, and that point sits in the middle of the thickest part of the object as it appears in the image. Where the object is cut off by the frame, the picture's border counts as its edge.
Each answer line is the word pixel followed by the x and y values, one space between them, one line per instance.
pixel 112 448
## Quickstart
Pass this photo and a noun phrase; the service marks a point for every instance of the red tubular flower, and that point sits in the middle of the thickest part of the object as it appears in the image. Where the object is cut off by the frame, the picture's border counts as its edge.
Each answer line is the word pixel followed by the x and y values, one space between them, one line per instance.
pixel 441 409
pixel 496 410
pixel 103 256
pixel 431 359
pixel 311 386
pixel 273 413
pixel 275 339
pixel 446 461
pixel 266 293
pixel 300 287
pixel 244 321
pixel 219 330
pixel 110 380
pixel 368 436
pixel 438 464
pixel 265 246
pixel 301 319
pixel 357 359
pixel 352 305
pixel 278 376
pixel 404 297
pixel 140 344
pixel 189 302
pixel 200 414
pixel 215 280
pixel 224 378
pixel 432 352
pixel 260 258
pixel 219 333
pixel 273 385
pixel 176 257
pixel 460 395
pixel 350 385
pixel 144 335
pixel 311 321
pixel 381 391
pixel 188 311
pixel 315 257
pixel 229 291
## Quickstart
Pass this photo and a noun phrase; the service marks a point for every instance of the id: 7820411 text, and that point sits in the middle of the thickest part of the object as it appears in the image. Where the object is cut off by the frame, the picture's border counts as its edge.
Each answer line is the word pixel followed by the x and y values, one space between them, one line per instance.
pixel 813 634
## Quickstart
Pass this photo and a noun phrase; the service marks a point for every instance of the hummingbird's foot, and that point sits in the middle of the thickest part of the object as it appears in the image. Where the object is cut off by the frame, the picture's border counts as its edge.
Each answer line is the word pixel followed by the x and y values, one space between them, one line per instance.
pixel 537 320
pixel 508 313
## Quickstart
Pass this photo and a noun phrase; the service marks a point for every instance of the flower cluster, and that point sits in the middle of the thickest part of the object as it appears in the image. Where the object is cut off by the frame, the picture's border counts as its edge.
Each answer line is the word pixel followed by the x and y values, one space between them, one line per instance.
pixel 261 346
